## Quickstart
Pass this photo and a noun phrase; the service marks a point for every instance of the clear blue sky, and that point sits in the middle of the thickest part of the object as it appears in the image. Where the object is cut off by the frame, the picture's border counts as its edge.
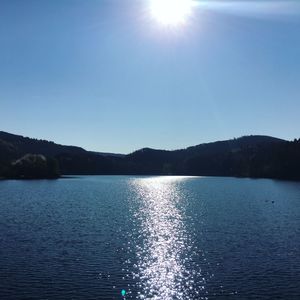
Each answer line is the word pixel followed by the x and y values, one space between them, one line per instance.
pixel 105 76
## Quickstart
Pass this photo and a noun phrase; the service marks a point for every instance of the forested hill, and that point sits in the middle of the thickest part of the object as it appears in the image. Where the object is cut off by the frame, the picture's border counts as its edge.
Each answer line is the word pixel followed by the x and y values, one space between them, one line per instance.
pixel 22 145
pixel 248 156
pixel 71 159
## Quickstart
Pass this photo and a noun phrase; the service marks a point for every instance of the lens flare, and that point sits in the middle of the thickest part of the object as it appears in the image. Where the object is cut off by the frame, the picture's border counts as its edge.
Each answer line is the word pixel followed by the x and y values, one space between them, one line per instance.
pixel 171 12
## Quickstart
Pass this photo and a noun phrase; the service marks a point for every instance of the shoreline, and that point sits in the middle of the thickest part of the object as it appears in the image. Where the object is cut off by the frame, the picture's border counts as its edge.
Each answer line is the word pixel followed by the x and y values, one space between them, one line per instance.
pixel 145 175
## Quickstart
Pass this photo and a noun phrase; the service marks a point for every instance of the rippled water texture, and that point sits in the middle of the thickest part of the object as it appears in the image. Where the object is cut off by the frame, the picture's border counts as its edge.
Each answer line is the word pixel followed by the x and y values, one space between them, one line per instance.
pixel 166 269
pixel 119 237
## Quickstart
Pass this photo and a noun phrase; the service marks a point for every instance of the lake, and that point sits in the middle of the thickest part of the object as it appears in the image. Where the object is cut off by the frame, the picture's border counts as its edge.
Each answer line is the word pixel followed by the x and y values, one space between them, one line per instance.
pixel 96 237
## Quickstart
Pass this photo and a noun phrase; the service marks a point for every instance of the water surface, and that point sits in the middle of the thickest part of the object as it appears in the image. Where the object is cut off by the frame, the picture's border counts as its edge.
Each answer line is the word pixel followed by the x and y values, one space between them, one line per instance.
pixel 155 237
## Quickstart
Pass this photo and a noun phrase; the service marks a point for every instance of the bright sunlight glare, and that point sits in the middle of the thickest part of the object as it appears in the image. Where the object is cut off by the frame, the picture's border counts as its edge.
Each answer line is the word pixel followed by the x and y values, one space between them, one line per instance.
pixel 171 12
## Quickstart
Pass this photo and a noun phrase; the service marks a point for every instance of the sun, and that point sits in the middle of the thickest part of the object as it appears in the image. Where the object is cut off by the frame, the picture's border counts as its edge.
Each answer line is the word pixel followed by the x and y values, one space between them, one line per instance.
pixel 171 12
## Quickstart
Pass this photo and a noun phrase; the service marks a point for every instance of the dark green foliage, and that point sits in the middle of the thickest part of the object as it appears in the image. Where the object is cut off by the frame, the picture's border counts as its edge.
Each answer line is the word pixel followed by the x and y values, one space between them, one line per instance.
pixel 53 167
pixel 85 164
pixel 249 156
pixel 23 145
pixel 32 166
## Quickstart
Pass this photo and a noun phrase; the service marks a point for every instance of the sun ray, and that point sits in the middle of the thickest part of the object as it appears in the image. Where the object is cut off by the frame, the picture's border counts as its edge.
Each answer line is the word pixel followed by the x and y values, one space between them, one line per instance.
pixel 252 8
pixel 174 13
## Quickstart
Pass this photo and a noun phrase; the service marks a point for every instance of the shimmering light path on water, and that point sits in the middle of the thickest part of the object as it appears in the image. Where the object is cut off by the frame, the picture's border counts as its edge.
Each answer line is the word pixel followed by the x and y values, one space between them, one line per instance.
pixel 165 269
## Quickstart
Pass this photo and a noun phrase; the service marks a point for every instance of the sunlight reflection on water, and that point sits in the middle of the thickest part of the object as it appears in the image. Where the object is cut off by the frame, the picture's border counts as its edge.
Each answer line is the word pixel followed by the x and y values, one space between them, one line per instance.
pixel 166 268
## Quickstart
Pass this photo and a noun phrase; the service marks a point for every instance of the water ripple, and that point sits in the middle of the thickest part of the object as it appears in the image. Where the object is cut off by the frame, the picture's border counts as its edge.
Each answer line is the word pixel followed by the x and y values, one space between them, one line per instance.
pixel 166 268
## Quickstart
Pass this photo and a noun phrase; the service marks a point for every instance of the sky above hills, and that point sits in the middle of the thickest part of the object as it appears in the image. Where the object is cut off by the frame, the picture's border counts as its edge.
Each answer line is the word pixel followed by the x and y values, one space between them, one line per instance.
pixel 105 75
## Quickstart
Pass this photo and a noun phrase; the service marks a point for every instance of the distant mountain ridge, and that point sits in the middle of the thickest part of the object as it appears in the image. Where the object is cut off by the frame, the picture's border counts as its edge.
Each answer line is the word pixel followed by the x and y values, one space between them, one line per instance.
pixel 24 145
pixel 248 156
pixel 218 146
pixel 72 159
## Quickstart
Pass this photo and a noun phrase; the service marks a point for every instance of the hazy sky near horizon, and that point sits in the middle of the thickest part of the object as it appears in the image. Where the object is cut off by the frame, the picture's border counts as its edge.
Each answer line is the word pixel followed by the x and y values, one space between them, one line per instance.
pixel 103 75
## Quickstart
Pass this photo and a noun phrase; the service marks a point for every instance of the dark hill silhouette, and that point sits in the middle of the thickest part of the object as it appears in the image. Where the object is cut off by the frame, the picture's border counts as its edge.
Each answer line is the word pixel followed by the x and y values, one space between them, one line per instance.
pixel 202 159
pixel 233 145
pixel 248 156
pixel 71 159
pixel 23 145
